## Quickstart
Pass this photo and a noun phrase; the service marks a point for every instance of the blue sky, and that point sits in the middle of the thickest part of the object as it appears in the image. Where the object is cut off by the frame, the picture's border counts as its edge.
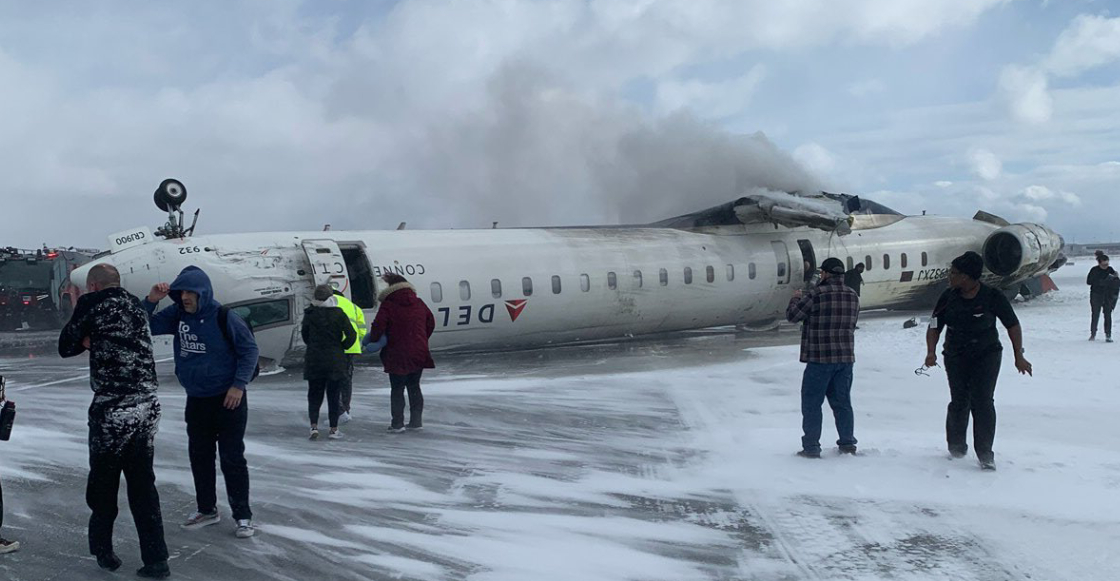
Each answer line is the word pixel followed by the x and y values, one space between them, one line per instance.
pixel 290 115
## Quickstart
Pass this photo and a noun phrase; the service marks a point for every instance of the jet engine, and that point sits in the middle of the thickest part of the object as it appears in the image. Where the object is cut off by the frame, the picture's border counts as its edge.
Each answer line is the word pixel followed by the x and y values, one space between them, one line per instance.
pixel 1019 251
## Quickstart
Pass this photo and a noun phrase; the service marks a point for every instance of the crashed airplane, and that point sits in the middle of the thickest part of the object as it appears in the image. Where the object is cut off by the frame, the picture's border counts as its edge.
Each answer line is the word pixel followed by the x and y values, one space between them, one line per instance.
pixel 494 289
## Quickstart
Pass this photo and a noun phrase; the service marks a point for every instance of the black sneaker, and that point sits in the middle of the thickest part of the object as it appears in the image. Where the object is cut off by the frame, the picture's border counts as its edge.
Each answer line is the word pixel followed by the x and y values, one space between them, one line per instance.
pixel 1093 337
pixel 412 427
pixel 109 561
pixel 808 454
pixel 1108 338
pixel 848 450
pixel 395 429
pixel 988 464
pixel 958 453
pixel 158 570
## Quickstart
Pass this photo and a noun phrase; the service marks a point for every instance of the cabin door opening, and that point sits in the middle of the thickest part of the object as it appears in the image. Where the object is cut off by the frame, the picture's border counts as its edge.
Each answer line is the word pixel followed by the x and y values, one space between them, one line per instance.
pixel 781 257
pixel 363 290
pixel 809 259
pixel 328 266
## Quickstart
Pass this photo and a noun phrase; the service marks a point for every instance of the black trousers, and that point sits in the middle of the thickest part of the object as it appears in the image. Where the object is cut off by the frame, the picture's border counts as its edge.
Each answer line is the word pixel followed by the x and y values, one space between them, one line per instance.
pixel 316 388
pixel 972 387
pixel 1099 304
pixel 348 383
pixel 1 507
pixel 397 386
pixel 105 469
pixel 210 423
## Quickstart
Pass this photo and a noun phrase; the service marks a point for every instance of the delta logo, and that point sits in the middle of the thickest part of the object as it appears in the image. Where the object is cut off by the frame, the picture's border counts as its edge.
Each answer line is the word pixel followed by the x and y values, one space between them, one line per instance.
pixel 515 308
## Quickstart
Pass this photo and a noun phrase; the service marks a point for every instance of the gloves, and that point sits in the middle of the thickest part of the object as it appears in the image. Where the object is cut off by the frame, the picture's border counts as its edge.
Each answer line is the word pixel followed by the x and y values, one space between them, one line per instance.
pixel 374 346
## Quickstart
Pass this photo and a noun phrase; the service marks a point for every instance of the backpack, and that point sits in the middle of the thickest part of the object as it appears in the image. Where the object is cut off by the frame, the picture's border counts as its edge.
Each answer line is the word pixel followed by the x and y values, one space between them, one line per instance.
pixel 223 324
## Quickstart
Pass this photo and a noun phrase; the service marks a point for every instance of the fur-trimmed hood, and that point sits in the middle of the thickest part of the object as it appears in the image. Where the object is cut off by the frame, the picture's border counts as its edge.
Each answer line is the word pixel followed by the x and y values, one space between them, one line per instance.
pixel 385 292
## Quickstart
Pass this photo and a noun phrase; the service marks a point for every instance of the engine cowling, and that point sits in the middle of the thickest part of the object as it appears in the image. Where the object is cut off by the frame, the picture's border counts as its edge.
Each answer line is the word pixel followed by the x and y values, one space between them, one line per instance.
pixel 1022 250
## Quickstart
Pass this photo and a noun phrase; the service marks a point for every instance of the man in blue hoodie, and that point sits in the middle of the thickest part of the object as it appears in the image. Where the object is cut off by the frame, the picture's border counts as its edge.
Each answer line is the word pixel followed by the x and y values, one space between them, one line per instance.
pixel 214 366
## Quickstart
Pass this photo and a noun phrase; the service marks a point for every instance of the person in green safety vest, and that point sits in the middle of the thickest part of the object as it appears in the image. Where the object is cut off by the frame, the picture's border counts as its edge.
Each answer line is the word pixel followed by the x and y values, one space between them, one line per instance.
pixel 358 320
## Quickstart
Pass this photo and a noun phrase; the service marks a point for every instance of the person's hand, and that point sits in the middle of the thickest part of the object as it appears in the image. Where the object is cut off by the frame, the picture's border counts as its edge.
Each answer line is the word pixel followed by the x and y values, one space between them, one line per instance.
pixel 1024 366
pixel 931 360
pixel 158 292
pixel 233 398
pixel 85 342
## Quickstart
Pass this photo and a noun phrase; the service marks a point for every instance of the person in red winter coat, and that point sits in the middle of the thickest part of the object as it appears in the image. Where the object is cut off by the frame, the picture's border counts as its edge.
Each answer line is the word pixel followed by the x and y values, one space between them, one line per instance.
pixel 409 323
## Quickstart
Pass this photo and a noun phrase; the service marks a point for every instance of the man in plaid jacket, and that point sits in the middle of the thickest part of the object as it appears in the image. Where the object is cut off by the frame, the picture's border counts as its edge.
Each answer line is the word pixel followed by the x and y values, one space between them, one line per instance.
pixel 828 314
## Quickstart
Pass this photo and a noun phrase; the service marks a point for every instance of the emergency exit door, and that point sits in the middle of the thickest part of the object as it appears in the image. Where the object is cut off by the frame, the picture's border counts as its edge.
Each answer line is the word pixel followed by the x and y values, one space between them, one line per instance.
pixel 328 266
pixel 781 258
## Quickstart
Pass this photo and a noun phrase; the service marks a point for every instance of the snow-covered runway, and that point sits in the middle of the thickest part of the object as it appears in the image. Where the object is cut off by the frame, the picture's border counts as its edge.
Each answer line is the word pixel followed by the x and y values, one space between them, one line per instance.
pixel 668 459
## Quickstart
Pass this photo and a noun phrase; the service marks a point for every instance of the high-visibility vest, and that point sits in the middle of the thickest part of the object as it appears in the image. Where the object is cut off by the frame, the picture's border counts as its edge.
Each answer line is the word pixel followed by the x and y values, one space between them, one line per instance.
pixel 357 319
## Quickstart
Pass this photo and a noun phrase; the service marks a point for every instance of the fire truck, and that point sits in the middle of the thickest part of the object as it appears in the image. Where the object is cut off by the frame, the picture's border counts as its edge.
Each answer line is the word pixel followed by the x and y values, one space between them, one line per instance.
pixel 35 288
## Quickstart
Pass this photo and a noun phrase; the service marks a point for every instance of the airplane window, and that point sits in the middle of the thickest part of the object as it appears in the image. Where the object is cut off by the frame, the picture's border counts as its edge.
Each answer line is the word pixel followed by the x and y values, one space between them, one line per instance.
pixel 688 275
pixel 886 262
pixel 437 293
pixel 663 276
pixel 851 264
pixel 612 281
pixel 925 259
pixel 496 288
pixel 867 262
pixel 637 279
pixel 527 286
pixel 751 271
pixel 584 282
pixel 730 272
pixel 711 272
pixel 902 261
pixel 781 270
pixel 555 285
pixel 464 290
pixel 262 314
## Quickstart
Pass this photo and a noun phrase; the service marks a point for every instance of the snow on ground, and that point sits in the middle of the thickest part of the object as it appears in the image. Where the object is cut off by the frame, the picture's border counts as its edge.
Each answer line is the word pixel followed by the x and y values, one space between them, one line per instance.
pixel 669 459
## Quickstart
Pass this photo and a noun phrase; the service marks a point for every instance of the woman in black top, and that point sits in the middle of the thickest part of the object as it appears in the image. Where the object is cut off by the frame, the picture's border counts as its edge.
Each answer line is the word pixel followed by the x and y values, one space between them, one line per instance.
pixel 972 354
pixel 1103 288
pixel 328 334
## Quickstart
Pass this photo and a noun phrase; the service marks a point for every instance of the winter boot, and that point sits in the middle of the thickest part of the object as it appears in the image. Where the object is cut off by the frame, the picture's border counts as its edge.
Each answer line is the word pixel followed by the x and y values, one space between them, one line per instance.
pixel 109 561
pixel 809 454
pixel 848 450
pixel 158 570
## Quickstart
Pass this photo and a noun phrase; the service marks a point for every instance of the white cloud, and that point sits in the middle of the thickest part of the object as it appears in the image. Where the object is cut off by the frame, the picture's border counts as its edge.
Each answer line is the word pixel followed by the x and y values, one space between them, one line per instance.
pixel 709 100
pixel 1025 89
pixel 1089 42
pixel 985 164
pixel 816 159
pixel 943 183
pixel 1036 193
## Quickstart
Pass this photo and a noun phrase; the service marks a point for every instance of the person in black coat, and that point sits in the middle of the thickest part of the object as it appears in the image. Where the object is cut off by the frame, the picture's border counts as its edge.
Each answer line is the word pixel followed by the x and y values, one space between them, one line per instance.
pixel 1104 286
pixel 853 279
pixel 123 418
pixel 327 332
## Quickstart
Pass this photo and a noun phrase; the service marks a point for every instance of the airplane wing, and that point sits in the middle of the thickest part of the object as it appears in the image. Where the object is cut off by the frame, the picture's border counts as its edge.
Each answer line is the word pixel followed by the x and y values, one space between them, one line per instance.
pixel 828 213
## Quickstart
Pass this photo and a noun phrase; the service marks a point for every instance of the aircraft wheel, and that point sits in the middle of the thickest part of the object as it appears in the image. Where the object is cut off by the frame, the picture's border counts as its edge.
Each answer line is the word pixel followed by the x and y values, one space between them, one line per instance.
pixel 170 194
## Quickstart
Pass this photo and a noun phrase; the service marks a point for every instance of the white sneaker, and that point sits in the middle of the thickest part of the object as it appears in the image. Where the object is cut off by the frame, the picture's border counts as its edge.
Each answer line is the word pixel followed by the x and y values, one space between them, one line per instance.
pixel 314 434
pixel 198 520
pixel 245 528
pixel 335 435
pixel 344 418
pixel 7 546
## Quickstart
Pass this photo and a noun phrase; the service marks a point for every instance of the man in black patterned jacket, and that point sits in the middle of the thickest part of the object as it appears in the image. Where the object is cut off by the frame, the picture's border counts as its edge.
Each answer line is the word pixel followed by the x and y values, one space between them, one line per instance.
pixel 123 418
pixel 828 314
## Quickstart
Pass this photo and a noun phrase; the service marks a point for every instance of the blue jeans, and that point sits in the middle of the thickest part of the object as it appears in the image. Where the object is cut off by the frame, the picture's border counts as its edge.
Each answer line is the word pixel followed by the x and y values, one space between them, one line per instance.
pixel 832 381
